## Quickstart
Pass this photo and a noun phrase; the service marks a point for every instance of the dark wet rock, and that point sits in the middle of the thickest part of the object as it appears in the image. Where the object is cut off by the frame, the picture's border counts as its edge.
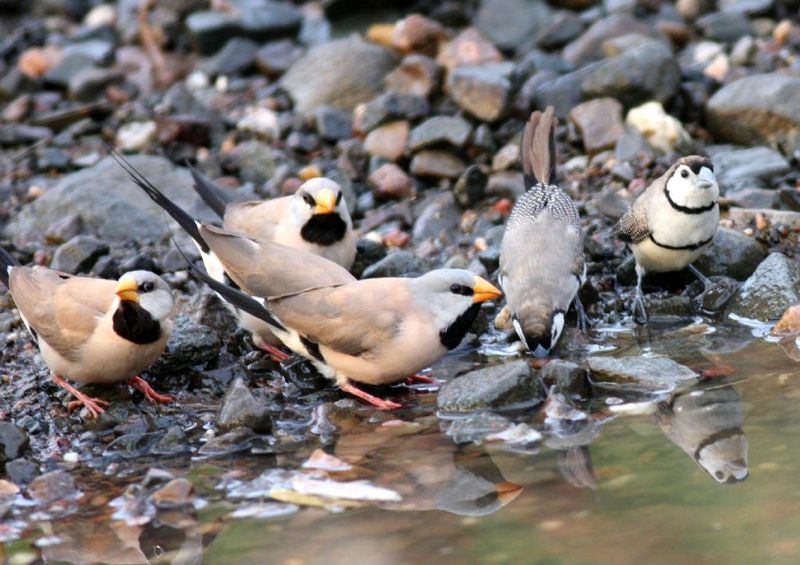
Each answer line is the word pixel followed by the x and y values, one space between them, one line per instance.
pixel 758 109
pixel 476 427
pixel 238 56
pixel 21 471
pixel 417 75
pixel 449 130
pixel 731 254
pixel 437 163
pixel 87 84
pixel 240 409
pixel 669 306
pixel 509 24
pixel 770 290
pixel 390 182
pixel 649 373
pixel 568 377
pixel 390 106
pixel 52 486
pixel 388 141
pixel 490 258
pixel 725 27
pixel 78 254
pixel 276 57
pixel 645 73
pixel 482 90
pixel 132 445
pixel 438 217
pixel 589 46
pixel 714 298
pixel 470 188
pixel 368 252
pixel 396 264
pixel 208 309
pixel 754 163
pixel 190 344
pixel 112 214
pixel 599 122
pixel 62 73
pixel 13 442
pixel 173 442
pixel 333 124
pixel 495 386
pixel 752 197
pixel 174 494
pixel 341 73
pixel 234 441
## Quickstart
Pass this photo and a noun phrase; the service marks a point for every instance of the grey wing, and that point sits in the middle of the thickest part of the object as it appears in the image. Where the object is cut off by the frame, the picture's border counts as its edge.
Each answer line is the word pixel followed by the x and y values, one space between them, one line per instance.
pixel 633 227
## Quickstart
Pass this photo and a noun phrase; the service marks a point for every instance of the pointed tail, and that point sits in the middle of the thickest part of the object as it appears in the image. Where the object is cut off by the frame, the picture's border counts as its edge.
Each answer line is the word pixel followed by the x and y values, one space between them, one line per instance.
pixel 6 262
pixel 538 151
pixel 209 192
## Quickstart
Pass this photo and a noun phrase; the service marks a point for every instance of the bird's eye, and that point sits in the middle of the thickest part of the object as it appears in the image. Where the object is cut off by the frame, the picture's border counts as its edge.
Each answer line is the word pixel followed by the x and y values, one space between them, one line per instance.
pixel 685 174
pixel 149 286
pixel 338 198
pixel 461 289
pixel 309 199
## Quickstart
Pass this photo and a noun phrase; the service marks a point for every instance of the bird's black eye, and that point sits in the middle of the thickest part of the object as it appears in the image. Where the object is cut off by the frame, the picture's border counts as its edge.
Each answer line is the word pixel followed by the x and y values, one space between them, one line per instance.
pixel 461 289
pixel 685 173
pixel 309 199
pixel 149 286
pixel 338 198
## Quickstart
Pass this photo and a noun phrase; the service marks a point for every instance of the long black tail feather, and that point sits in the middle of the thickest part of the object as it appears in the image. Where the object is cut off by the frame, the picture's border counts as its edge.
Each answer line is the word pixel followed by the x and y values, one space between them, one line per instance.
pixel 6 260
pixel 177 213
pixel 209 192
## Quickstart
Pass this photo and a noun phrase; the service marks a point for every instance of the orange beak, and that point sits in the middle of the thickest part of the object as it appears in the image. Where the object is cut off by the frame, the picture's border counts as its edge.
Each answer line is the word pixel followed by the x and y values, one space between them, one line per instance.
pixel 506 492
pixel 128 289
pixel 484 290
pixel 326 202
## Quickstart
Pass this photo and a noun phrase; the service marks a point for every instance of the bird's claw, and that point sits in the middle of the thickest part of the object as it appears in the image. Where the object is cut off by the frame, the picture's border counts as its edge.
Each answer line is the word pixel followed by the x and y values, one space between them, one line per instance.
pixel 152 396
pixel 93 405
pixel 421 379
pixel 378 403
pixel 275 354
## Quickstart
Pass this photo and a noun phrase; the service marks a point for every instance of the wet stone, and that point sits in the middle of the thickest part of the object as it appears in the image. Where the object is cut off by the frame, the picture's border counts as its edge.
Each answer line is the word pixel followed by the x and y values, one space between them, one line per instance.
pixel 476 426
pixel 436 163
pixel 173 442
pixel 396 264
pixel 732 254
pixel 13 442
pixel 770 290
pixel 568 377
pixel 470 188
pixel 240 409
pixel 79 254
pixel 234 441
pixel 482 90
pixel 496 386
pixel 650 373
pixel 439 130
pixel 174 494
pixel 190 344
pixel 52 486
pixel 599 122
pixel 717 295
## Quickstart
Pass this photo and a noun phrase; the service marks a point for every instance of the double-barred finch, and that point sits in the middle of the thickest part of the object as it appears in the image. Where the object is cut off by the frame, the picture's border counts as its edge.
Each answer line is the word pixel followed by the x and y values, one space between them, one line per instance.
pixel 670 224
pixel 541 257
pixel 315 219
pixel 93 330
pixel 376 331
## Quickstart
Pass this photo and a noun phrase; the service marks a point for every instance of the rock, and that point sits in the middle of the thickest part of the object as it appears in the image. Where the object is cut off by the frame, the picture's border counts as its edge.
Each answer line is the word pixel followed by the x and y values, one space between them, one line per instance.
pixel 65 229
pixel 749 7
pixel 253 160
pixel 725 27
pixel 390 182
pixel 190 344
pixel 662 132
pixel 476 427
pixel 714 298
pixel 237 57
pixel 754 163
pixel 440 130
pixel 112 214
pixel 341 73
pixel 210 30
pixel 568 377
pixel 789 324
pixel 495 386
pixel 563 93
pixel 657 374
pixel 436 163
pixel 419 34
pixel 599 122
pixel 333 124
pixel 506 158
pixel 276 57
pixel 759 109
pixel 174 494
pixel 13 442
pixel 87 84
pixel 63 72
pixel 52 486
pixel 752 197
pixel 21 471
pixel 135 136
pixel 99 51
pixel 745 217
pixel 240 409
pixel 388 141
pixel 509 24
pixel 261 121
pixel 417 75
pixel 397 264
pixel 439 217
pixel 78 254
pixel 564 26
pixel 589 46
pixel 770 290
pixel 732 254
pixel 482 90
pixel 470 188
pixel 389 106
pixel 645 73
pixel 468 48
pixel 185 128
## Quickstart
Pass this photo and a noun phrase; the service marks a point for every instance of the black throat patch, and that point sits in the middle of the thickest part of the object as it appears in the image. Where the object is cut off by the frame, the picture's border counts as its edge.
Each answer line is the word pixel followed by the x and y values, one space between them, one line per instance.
pixel 324 229
pixel 452 335
pixel 134 323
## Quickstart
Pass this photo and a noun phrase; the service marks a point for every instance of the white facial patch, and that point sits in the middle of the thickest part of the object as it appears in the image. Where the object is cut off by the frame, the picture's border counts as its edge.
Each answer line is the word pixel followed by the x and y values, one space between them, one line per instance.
pixel 684 190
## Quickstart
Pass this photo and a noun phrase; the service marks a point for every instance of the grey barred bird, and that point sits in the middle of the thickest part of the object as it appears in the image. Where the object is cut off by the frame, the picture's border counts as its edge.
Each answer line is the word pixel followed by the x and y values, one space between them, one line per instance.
pixel 541 257
pixel 93 330
pixel 670 224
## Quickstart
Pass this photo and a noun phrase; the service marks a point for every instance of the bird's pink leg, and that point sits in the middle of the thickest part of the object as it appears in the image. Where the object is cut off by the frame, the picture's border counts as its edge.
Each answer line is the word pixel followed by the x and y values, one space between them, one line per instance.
pixel 374 400
pixel 94 405
pixel 152 396
pixel 421 379
pixel 277 355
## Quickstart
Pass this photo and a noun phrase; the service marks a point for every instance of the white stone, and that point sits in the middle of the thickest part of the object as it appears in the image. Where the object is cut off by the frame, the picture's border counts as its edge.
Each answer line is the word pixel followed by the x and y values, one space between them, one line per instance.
pixel 261 121
pixel 102 15
pixel 135 136
pixel 662 132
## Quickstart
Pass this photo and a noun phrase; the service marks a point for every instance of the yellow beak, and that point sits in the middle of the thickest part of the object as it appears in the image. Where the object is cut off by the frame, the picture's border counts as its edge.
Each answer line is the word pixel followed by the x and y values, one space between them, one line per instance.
pixel 127 289
pixel 326 201
pixel 484 290
pixel 506 492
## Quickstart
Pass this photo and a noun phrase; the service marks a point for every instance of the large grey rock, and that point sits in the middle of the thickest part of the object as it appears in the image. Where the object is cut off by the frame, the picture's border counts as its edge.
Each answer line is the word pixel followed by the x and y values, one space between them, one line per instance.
pixel 482 90
pixel 450 130
pixel 491 387
pixel 341 73
pixel 439 218
pixel 396 264
pixel 589 46
pixel 760 109
pixel 78 254
pixel 511 23
pixel 240 409
pixel 725 27
pixel 731 254
pixel 190 344
pixel 109 204
pixel 754 163
pixel 637 372
pixel 770 290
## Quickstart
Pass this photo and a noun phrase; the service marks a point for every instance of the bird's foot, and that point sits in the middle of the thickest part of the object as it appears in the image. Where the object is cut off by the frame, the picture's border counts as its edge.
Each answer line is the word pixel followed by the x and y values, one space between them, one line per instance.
pixel 580 312
pixel 639 308
pixel 421 379
pixel 152 396
pixel 379 403
pixel 275 354
pixel 701 277
pixel 93 405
